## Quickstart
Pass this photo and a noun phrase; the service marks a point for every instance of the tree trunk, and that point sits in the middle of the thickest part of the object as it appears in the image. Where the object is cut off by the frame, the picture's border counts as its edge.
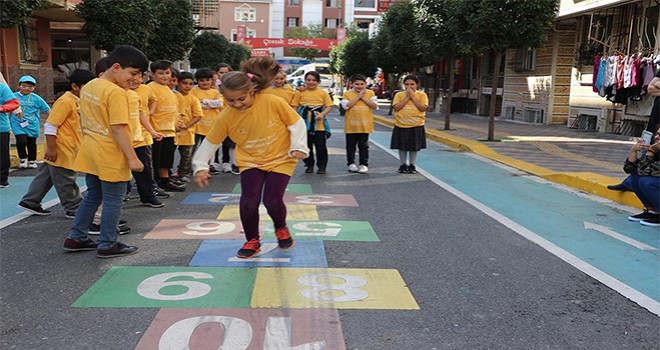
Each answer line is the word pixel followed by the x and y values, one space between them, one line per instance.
pixel 493 97
pixel 450 93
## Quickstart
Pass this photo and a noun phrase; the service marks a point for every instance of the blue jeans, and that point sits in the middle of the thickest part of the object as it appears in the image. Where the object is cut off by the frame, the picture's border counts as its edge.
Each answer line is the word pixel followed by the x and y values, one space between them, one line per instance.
pixel 647 189
pixel 111 194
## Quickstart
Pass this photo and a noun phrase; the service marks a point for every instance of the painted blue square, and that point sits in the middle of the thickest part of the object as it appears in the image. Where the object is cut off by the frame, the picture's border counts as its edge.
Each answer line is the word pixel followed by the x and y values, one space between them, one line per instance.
pixel 212 198
pixel 222 252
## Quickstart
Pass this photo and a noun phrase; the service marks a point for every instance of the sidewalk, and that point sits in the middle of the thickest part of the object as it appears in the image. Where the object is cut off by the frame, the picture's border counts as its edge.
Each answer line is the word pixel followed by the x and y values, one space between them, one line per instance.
pixel 588 161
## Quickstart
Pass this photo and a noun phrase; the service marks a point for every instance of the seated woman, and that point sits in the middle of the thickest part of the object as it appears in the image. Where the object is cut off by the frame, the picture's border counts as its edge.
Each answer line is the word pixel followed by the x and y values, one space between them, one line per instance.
pixel 645 179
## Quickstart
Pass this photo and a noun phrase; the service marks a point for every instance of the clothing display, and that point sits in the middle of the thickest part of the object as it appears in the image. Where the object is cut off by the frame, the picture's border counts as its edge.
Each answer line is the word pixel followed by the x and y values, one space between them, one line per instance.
pixel 623 78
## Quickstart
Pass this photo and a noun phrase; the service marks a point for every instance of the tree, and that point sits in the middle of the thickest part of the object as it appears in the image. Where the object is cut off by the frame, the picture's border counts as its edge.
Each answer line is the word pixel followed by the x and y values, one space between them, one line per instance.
pixel 15 12
pixel 210 49
pixel 352 56
pixel 110 23
pixel 501 25
pixel 310 31
pixel 174 33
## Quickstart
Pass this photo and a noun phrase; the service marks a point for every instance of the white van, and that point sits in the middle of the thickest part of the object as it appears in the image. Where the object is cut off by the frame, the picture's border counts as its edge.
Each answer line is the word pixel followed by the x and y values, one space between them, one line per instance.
pixel 322 68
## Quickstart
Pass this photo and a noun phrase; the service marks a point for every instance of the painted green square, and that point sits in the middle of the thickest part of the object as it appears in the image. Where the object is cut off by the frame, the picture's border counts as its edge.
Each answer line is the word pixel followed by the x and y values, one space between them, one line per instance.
pixel 181 287
pixel 328 230
pixel 291 188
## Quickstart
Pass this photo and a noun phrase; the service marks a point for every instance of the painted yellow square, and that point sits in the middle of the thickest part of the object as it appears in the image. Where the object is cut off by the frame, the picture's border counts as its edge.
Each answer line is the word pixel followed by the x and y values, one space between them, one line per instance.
pixel 331 288
pixel 294 212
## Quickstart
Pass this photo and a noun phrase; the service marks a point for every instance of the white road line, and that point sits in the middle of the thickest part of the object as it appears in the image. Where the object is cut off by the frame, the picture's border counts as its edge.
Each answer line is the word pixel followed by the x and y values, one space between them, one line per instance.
pixel 625 239
pixel 620 287
pixel 20 216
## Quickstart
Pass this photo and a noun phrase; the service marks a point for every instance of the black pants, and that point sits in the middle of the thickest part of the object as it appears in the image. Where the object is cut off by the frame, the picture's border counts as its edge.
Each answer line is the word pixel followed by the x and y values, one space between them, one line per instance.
pixel 362 143
pixel 4 156
pixel 26 147
pixel 163 155
pixel 317 141
pixel 227 144
pixel 143 179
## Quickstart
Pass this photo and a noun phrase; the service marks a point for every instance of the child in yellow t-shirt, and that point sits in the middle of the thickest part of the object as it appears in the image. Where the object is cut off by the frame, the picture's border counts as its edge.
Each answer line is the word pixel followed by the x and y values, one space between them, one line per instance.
pixel 270 138
pixel 211 102
pixel 281 88
pixel 62 130
pixel 359 122
pixel 313 105
pixel 191 113
pixel 409 135
pixel 106 153
pixel 164 121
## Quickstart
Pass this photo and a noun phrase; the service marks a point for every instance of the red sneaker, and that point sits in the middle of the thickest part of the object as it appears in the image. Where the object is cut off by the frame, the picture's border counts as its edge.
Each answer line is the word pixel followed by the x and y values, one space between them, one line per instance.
pixel 249 249
pixel 284 240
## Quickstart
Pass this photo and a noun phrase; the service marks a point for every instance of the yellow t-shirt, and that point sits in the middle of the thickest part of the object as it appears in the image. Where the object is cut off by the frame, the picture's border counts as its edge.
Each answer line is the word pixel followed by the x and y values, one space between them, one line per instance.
pixel 285 91
pixel 167 112
pixel 359 119
pixel 313 98
pixel 134 118
pixel 210 115
pixel 191 108
pixel 66 118
pixel 260 132
pixel 102 104
pixel 409 116
pixel 147 97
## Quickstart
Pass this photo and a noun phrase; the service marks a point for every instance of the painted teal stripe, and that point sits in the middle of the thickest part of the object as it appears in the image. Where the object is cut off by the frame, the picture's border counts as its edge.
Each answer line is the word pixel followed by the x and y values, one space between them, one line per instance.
pixel 553 214
pixel 18 186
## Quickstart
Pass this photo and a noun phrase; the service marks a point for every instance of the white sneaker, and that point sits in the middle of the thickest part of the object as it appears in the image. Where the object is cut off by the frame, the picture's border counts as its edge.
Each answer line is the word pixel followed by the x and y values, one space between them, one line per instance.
pixel 353 168
pixel 32 164
pixel 23 164
pixel 226 168
pixel 363 169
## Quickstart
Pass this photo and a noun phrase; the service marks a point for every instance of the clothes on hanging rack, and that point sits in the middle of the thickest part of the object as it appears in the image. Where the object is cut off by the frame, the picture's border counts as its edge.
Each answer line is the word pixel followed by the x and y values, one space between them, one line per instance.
pixel 621 78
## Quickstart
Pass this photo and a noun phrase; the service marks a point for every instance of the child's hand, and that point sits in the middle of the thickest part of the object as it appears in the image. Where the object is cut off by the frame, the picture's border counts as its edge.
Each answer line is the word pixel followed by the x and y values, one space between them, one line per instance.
pixel 51 155
pixel 157 136
pixel 298 155
pixel 135 165
pixel 201 178
pixel 319 117
pixel 362 93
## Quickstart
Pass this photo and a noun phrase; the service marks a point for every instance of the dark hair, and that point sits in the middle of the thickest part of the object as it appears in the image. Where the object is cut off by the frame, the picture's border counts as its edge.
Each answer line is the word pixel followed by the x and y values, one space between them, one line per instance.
pixel 185 75
pixel 175 72
pixel 160 64
pixel 223 65
pixel 101 65
pixel 128 57
pixel 356 77
pixel 412 77
pixel 204 73
pixel 315 74
pixel 256 73
pixel 81 77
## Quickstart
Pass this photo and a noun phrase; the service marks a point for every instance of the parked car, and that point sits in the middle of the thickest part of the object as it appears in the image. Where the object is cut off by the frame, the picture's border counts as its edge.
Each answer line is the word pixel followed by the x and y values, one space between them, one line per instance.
pixel 297 78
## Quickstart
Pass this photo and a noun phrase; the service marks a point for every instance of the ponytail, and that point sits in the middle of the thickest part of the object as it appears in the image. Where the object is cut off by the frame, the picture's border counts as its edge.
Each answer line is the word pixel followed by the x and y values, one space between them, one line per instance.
pixel 256 74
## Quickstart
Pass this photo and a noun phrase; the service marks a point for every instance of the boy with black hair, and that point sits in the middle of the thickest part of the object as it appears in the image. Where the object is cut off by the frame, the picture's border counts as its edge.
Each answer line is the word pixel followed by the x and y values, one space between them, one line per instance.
pixel 190 110
pixel 211 101
pixel 106 154
pixel 62 130
pixel 164 121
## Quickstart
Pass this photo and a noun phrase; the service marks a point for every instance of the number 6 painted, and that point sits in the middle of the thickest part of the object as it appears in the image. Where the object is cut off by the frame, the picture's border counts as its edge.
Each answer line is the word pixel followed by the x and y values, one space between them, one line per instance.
pixel 150 288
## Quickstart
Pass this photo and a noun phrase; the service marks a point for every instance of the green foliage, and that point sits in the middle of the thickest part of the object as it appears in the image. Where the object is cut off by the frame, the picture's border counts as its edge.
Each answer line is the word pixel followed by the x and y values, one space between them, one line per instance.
pixel 210 49
pixel 441 22
pixel 174 33
pixel 15 12
pixel 352 56
pixel 311 31
pixel 163 29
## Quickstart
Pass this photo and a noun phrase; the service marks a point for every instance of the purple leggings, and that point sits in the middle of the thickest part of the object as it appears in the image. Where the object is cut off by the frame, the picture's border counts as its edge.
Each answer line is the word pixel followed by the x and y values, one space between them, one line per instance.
pixel 253 183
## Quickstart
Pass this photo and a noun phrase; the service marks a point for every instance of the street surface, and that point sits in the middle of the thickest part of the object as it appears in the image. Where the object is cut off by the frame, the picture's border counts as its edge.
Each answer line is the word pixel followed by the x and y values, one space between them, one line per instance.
pixel 466 254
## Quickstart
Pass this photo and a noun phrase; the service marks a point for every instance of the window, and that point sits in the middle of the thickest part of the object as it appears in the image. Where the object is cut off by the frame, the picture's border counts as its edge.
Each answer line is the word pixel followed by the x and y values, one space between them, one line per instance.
pixel 525 60
pixel 294 2
pixel 331 23
pixel 331 3
pixel 366 3
pixel 30 51
pixel 245 13
pixel 249 33
pixel 292 22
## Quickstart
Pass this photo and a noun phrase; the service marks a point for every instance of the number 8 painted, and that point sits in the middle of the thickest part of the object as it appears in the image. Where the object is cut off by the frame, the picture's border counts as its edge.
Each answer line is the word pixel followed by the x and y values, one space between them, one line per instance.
pixel 349 287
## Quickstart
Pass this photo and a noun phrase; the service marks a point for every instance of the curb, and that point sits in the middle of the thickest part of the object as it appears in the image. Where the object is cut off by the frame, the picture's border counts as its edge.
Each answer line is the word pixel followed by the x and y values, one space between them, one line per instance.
pixel 588 182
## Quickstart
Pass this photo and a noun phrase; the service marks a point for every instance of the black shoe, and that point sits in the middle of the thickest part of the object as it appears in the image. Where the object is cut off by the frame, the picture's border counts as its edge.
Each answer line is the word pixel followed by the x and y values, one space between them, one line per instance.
pixel 653 222
pixel 4 183
pixel 321 171
pixel 235 170
pixel 177 182
pixel 160 194
pixel 96 229
pixel 74 245
pixel 309 170
pixel 403 169
pixel 642 216
pixel 117 250
pixel 619 187
pixel 249 249
pixel 213 171
pixel 70 214
pixel 37 210
pixel 152 202
pixel 122 223
pixel 412 169
pixel 170 187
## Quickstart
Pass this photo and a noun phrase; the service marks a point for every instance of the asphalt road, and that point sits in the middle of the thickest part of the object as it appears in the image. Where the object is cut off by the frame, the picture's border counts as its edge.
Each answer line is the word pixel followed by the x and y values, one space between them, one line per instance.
pixel 477 283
